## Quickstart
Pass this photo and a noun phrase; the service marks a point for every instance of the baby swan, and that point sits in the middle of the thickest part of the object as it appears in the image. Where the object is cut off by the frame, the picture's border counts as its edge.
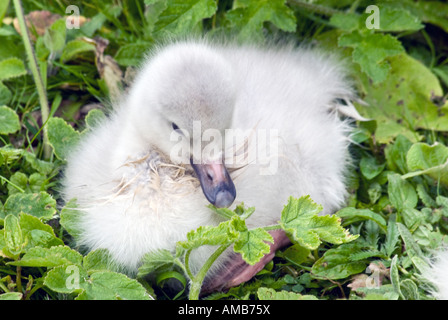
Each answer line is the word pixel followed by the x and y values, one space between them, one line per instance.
pixel 144 177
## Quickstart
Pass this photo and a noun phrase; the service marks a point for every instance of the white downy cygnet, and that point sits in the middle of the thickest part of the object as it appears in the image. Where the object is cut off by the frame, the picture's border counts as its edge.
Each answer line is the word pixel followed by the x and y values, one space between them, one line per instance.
pixel 143 177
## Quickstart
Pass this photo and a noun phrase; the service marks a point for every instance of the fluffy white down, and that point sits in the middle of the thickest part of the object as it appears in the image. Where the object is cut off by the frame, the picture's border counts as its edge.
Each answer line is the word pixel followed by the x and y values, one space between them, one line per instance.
pixel 132 199
pixel 436 275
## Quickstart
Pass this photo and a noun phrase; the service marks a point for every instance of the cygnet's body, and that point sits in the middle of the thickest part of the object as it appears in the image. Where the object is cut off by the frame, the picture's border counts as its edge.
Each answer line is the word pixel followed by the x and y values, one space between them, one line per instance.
pixel 133 198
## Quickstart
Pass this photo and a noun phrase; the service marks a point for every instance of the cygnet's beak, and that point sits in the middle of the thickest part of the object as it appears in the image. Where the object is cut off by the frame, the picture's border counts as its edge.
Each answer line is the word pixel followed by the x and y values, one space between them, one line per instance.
pixel 216 183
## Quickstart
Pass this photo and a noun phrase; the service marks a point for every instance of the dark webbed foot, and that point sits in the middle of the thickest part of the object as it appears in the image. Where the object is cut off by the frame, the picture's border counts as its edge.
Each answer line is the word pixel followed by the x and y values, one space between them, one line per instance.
pixel 237 271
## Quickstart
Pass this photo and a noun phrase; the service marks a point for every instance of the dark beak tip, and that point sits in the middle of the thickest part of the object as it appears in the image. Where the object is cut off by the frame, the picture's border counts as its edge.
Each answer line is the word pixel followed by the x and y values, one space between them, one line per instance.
pixel 224 199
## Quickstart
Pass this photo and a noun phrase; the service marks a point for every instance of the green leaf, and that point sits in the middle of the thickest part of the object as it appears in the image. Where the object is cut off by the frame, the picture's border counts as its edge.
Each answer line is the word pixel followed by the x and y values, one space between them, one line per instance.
pixel 247 17
pixel 392 237
pixel 296 253
pixel 11 296
pixel 370 168
pixel 412 248
pixel 70 218
pixel 225 232
pixel 62 137
pixel 66 278
pixel 252 245
pixel 98 260
pixel 49 257
pixel 430 160
pixel 40 205
pixel 11 68
pixel 132 54
pixel 54 37
pixel 301 221
pixel 403 102
pixel 396 154
pixel 155 260
pixel 13 235
pixel 9 121
pixel 37 233
pixel 346 21
pixel 351 215
pixel 401 193
pixel 94 118
pixel 108 285
pixel 394 276
pixel 394 20
pixel 5 94
pixel 409 290
pixel 270 294
pixel 337 263
pixel 74 48
pixel 182 17
pixel 370 52
pixel 104 285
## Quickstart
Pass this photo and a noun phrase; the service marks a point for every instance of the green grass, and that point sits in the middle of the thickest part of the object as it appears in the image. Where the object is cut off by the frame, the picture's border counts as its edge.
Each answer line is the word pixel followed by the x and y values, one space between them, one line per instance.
pixel 398 206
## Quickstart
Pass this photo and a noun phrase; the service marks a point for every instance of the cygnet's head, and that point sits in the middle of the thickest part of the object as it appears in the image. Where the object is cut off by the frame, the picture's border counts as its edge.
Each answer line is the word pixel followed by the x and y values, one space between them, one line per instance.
pixel 182 102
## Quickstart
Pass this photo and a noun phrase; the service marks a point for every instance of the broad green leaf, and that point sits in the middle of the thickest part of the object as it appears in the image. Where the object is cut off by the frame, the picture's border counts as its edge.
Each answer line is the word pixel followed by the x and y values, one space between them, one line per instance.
pixel 98 260
pixel 247 17
pixel 13 235
pixel 69 218
pixel 409 289
pixel 49 257
pixel 11 68
pixel 54 37
pixel 94 118
pixel 386 292
pixel 370 52
pixel 296 253
pixel 41 166
pixel 300 219
pixel 182 17
pixel 370 168
pixel 430 160
pixel 252 245
pixel 351 215
pixel 9 121
pixel 402 103
pixel 5 94
pixel 346 21
pixel 337 263
pixel 270 294
pixel 434 12
pixel 104 285
pixel 37 233
pixel 74 48
pixel 66 278
pixel 62 137
pixel 132 54
pixel 154 260
pixel 11 296
pixel 40 205
pixel 108 285
pixel 17 180
pixel 401 193
pixel 393 19
pixel 396 154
